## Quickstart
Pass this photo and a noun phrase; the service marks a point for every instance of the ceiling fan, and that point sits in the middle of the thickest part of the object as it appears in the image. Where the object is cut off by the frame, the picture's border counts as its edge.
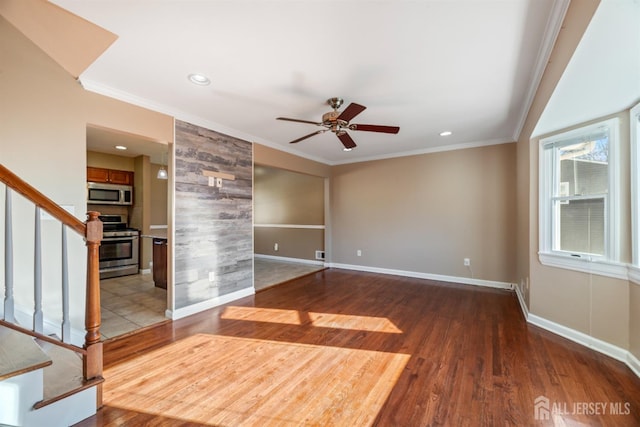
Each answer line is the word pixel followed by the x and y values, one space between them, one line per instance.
pixel 338 123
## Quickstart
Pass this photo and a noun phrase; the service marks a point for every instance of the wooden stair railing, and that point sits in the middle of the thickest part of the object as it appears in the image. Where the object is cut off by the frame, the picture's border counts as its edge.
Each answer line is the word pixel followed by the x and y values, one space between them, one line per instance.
pixel 91 231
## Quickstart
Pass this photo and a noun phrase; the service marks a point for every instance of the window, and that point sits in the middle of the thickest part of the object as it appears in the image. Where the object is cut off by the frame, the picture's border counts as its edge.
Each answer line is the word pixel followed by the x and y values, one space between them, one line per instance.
pixel 578 197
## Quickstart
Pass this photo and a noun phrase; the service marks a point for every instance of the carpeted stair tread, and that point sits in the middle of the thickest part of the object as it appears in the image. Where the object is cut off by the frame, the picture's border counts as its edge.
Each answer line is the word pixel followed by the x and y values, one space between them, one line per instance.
pixel 64 375
pixel 19 354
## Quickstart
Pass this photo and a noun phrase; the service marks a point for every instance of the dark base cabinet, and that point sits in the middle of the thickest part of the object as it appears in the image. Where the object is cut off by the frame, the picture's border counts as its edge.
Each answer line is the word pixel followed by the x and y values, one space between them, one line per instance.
pixel 160 263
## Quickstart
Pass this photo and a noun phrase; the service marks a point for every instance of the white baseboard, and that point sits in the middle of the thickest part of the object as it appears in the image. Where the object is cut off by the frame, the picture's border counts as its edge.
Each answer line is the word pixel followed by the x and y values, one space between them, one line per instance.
pixel 523 304
pixel 633 363
pixel 144 271
pixel 579 337
pixel 419 275
pixel 588 341
pixel 287 259
pixel 205 305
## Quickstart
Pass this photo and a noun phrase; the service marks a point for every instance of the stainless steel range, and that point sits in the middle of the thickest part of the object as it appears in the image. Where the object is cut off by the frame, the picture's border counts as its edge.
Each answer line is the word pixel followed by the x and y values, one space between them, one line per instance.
pixel 119 247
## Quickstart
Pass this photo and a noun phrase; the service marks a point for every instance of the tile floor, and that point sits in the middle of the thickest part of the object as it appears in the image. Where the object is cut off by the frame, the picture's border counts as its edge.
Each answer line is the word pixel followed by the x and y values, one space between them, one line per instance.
pixel 133 302
pixel 129 303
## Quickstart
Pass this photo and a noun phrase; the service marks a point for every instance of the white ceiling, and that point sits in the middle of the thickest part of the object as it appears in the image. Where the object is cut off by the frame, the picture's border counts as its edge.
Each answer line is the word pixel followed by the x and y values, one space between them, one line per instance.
pixel 467 66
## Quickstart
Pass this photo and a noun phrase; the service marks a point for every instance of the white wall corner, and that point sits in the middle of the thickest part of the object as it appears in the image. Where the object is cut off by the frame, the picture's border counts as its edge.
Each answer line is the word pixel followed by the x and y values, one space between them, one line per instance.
pixel 523 304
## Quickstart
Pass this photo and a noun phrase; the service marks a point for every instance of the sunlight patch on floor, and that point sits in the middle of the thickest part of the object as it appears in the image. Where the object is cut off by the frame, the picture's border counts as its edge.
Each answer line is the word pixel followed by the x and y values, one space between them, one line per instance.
pixel 320 320
pixel 220 380
pixel 258 314
pixel 358 323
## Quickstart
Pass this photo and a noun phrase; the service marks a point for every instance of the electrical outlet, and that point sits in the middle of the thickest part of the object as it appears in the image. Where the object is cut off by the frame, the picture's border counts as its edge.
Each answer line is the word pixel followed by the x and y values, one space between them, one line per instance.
pixel 275 247
pixel 359 252
pixel 467 262
pixel 212 276
pixel 212 181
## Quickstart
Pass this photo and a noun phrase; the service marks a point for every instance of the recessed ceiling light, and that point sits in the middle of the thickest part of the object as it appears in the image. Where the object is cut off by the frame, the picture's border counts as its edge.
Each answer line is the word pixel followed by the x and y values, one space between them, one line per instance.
pixel 446 133
pixel 120 147
pixel 199 79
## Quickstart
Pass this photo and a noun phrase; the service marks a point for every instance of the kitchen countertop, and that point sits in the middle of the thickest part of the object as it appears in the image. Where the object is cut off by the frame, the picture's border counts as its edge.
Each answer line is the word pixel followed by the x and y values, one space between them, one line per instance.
pixel 156 233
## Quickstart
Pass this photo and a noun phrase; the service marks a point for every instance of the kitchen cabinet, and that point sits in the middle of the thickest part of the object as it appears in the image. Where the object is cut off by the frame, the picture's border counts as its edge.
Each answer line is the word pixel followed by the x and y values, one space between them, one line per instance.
pixel 160 262
pixel 110 176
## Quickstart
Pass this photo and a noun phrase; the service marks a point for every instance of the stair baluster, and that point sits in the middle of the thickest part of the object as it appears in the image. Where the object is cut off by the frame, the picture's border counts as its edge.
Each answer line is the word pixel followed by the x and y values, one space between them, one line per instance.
pixel 66 324
pixel 8 259
pixel 37 274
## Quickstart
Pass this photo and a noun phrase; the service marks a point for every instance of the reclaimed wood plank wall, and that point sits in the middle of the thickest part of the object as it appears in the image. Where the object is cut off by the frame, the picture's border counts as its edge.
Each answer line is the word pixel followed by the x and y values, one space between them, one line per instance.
pixel 213 231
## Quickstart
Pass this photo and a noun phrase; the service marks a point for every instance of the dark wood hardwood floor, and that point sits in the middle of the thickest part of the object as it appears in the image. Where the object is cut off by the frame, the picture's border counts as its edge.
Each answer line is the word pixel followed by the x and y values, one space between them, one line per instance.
pixel 350 348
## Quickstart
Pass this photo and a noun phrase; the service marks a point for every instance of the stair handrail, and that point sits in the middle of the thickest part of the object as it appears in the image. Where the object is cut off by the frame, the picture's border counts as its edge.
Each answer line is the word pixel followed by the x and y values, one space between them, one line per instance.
pixel 18 185
pixel 92 233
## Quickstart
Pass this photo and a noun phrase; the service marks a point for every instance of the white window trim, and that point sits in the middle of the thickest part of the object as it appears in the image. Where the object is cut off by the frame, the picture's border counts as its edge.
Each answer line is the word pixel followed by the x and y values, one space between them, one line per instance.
pixel 607 265
pixel 634 123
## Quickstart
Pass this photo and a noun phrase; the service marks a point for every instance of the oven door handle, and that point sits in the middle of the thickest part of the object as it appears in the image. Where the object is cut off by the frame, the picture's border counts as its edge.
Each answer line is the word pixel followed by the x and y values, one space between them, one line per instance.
pixel 120 238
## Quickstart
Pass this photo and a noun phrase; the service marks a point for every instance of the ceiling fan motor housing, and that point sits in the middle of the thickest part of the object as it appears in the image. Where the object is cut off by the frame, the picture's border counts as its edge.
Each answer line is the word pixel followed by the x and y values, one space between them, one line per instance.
pixel 330 117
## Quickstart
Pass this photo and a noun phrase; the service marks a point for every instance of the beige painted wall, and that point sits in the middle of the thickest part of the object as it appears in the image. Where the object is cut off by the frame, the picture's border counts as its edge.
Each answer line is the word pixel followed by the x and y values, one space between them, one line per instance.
pixel 292 243
pixel 299 243
pixel 284 197
pixel 159 201
pixel 292 198
pixel 634 320
pixel 426 213
pixel 267 156
pixel 110 161
pixel 43 139
pixel 140 216
pixel 595 305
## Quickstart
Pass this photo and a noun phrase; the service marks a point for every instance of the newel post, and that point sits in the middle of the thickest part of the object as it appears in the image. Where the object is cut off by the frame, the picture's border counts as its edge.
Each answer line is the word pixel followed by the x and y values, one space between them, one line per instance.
pixel 92 363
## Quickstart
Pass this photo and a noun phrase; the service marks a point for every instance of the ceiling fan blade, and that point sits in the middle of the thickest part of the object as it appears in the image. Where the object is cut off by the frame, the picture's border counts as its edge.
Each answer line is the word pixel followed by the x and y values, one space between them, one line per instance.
pixel 351 111
pixel 308 136
pixel 375 128
pixel 299 121
pixel 346 140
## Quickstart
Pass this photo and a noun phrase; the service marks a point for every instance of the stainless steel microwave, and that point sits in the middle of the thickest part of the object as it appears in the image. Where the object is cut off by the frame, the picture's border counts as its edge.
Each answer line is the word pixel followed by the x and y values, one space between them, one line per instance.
pixel 109 194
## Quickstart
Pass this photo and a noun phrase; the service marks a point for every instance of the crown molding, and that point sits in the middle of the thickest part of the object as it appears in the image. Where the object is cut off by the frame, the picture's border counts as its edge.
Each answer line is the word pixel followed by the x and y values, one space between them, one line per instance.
pixel 551 31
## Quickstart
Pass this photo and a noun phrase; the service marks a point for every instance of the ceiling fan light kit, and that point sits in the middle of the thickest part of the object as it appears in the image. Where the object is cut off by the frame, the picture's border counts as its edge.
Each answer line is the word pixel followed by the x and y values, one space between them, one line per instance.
pixel 338 123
